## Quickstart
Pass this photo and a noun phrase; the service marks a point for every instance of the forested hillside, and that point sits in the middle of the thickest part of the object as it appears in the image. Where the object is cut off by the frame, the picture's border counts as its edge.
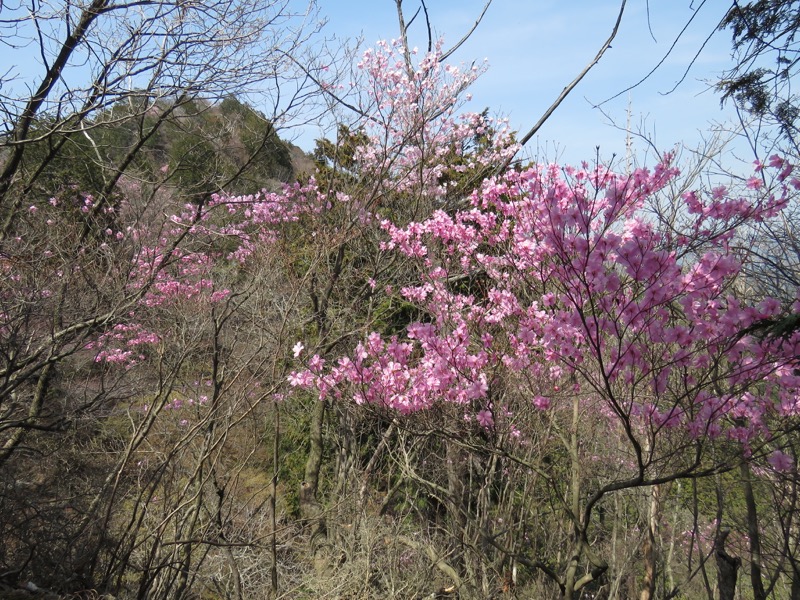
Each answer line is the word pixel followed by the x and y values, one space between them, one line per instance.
pixel 410 364
pixel 200 150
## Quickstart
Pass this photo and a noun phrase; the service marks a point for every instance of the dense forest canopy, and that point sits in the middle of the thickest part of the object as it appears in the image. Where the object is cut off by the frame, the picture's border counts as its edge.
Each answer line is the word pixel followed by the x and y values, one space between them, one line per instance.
pixel 411 364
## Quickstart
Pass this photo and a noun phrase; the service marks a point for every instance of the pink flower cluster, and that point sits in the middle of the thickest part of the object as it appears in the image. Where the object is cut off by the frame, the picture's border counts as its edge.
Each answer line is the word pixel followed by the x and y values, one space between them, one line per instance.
pixel 578 284
pixel 178 265
pixel 415 125
pixel 123 344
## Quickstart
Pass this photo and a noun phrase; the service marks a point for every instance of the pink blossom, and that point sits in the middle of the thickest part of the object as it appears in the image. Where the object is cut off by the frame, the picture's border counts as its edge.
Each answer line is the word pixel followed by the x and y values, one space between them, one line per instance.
pixel 781 461
pixel 485 419
pixel 301 379
pixel 754 183
pixel 541 402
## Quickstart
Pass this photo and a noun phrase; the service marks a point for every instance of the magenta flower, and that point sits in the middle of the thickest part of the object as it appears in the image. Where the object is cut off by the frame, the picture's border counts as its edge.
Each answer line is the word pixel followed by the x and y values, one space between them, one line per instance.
pixel 485 419
pixel 780 461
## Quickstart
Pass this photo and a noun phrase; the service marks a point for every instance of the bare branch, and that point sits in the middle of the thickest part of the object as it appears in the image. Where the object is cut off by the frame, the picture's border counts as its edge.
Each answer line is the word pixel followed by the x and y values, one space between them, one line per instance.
pixel 461 42
pixel 565 92
pixel 663 59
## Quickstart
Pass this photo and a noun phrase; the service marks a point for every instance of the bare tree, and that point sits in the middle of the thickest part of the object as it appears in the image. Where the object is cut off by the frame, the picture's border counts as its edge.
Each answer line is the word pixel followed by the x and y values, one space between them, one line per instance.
pixel 88 89
pixel 103 62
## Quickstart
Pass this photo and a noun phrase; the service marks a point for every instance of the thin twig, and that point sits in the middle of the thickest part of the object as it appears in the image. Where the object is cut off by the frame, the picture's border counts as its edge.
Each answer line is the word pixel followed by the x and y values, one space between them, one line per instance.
pixel 461 42
pixel 565 92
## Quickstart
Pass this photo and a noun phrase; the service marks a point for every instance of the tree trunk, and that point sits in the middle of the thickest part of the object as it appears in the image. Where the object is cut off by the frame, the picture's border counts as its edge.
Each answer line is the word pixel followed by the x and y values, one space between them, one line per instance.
pixel 649 547
pixel 727 568
pixel 754 534
pixel 570 575
pixel 310 508
pixel 273 542
pixel 795 583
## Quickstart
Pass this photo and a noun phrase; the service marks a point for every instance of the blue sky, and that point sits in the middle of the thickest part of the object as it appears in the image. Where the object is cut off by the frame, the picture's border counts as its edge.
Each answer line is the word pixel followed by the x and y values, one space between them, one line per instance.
pixel 536 47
